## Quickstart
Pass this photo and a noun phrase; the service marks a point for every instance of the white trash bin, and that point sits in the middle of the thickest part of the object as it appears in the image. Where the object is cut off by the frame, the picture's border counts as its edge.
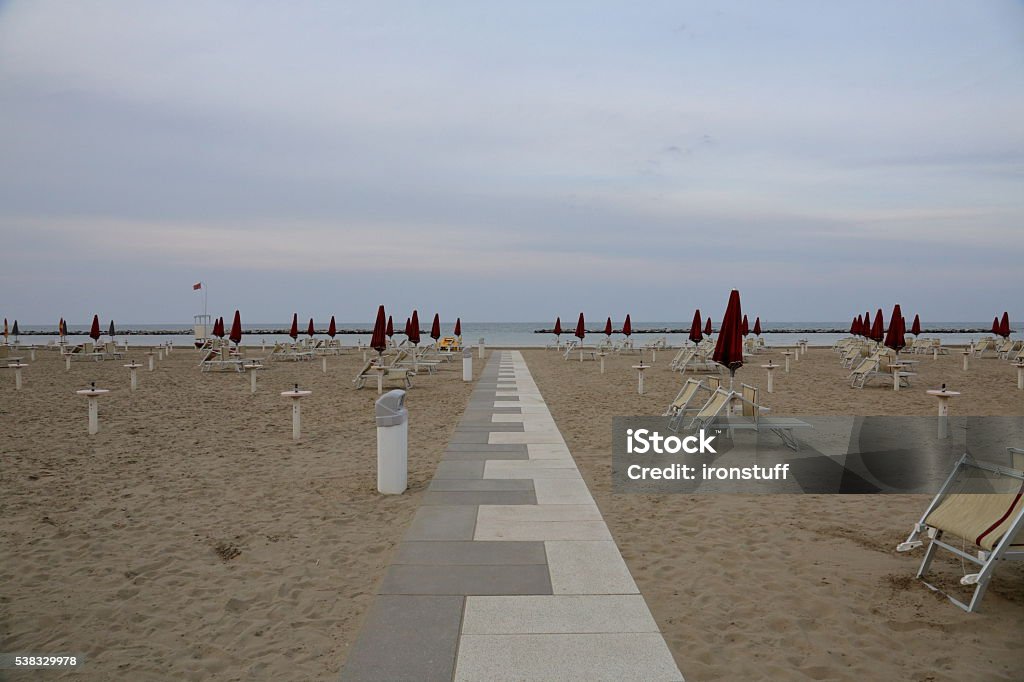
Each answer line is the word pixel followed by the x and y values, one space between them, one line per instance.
pixel 467 365
pixel 392 443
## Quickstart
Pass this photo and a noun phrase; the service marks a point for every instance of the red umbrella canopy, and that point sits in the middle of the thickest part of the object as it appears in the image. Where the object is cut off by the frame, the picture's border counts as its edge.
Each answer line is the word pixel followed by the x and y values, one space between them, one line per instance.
pixel 608 327
pixel 744 327
pixel 581 330
pixel 390 330
pixel 853 327
pixel 408 328
pixel 1004 325
pixel 415 328
pixel 995 325
pixel 435 328
pixel 332 328
pixel 220 327
pixel 695 332
pixel 558 326
pixel 94 331
pixel 915 328
pixel 757 326
pixel 867 325
pixel 377 341
pixel 707 327
pixel 877 329
pixel 236 329
pixel 458 326
pixel 894 338
pixel 729 348
pixel 309 330
pixel 627 327
pixel 294 331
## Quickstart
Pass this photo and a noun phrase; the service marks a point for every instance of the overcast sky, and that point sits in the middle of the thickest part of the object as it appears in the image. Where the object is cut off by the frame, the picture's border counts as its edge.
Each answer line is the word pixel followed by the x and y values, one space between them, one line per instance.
pixel 511 161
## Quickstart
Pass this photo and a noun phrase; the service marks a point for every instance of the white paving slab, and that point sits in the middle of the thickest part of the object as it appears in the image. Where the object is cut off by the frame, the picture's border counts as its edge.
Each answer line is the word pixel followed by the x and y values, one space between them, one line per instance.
pixel 539 531
pixel 563 657
pixel 554 491
pixel 524 437
pixel 538 512
pixel 540 614
pixel 588 568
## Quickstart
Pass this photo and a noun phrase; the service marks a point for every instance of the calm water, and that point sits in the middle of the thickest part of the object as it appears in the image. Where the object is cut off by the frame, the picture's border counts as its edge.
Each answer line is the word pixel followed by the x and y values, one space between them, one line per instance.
pixel 520 334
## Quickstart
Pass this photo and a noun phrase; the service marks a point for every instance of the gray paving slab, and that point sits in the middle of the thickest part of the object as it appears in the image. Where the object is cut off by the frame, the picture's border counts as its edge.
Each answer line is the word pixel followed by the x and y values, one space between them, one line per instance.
pixel 464 580
pixel 474 553
pixel 457 484
pixel 486 447
pixel 472 437
pixel 406 637
pixel 478 497
pixel 485 456
pixel 457 469
pixel 442 523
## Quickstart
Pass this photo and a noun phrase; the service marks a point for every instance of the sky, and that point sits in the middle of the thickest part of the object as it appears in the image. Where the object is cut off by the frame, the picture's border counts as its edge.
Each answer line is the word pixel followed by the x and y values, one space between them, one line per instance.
pixel 510 161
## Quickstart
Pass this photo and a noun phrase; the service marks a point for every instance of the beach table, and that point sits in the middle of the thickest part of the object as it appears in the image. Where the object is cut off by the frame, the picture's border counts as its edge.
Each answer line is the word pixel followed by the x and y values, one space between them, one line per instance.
pixel 17 367
pixel 1020 374
pixel 787 354
pixel 253 367
pixel 296 396
pixel 132 368
pixel 967 354
pixel 943 395
pixel 771 372
pixel 92 394
pixel 640 376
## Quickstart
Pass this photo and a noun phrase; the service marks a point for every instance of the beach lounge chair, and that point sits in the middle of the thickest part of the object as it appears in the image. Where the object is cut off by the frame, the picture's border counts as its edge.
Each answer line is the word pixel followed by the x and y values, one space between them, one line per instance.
pixel 282 351
pixel 991 521
pixel 401 375
pixel 715 414
pixel 686 400
pixel 870 368
pixel 983 346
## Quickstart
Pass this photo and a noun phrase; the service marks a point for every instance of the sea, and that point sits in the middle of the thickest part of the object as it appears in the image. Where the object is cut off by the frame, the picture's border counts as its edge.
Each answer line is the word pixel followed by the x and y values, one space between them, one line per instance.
pixel 497 334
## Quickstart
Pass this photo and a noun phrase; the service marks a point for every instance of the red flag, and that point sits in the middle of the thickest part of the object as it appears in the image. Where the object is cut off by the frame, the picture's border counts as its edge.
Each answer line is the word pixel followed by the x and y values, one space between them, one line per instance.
pixel 197 286
pixel 627 327
pixel 581 330
pixel 294 331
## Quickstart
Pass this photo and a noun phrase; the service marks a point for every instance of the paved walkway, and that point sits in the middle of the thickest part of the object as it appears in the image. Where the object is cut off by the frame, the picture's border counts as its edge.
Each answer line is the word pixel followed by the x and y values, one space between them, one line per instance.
pixel 508 571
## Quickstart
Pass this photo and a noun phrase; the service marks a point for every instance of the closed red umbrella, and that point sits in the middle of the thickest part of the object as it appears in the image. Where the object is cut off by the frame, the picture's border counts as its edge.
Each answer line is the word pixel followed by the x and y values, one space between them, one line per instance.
pixel 915 328
pixel 627 327
pixel 995 325
pixel 854 327
pixel 695 331
pixel 707 327
pixel 216 327
pixel 60 327
pixel 408 329
pixel 757 326
pixel 236 329
pixel 309 330
pixel 332 328
pixel 558 330
pixel 729 348
pixel 581 330
pixel 220 327
pixel 294 331
pixel 744 327
pixel 867 325
pixel 1004 325
pixel 458 327
pixel 608 327
pixel 94 331
pixel 894 338
pixel 414 327
pixel 390 330
pixel 878 328
pixel 435 328
pixel 377 340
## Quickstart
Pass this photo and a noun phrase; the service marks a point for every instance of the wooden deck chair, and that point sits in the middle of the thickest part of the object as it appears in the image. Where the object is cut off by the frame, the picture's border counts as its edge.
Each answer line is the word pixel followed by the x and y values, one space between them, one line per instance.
pixel 991 521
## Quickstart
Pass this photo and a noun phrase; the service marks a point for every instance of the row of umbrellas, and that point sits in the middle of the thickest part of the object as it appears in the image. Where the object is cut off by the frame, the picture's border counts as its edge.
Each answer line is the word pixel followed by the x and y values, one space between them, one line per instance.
pixel 877 331
pixel 697 332
pixel 384 326
pixel 1002 327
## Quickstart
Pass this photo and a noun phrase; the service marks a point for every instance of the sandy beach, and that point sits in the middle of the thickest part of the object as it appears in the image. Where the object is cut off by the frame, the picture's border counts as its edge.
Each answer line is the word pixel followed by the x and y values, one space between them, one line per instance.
pixel 190 538
pixel 792 587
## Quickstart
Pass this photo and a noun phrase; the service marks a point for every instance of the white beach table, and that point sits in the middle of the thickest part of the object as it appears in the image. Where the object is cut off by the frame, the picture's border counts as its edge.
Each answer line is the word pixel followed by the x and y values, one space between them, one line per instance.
pixel 640 376
pixel 943 395
pixel 788 354
pixel 296 396
pixel 771 372
pixel 132 369
pixel 253 367
pixel 1020 374
pixel 92 393
pixel 17 367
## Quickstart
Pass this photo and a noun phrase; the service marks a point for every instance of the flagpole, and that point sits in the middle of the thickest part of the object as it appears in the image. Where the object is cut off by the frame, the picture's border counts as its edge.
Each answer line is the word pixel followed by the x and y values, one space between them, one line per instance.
pixel 206 292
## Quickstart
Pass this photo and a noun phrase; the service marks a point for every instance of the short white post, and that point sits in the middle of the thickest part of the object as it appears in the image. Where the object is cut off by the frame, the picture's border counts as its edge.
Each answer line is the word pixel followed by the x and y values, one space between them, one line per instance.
pixel 152 364
pixel 16 366
pixel 787 353
pixel 796 352
pixel 92 393
pixel 132 367
pixel 253 368
pixel 296 395
pixel 654 355
pixel 392 443
pixel 67 363
pixel 935 353
pixel 467 365
pixel 943 395
pixel 32 353
pixel 480 347
pixel 159 353
pixel 601 355
pixel 1020 374
pixel 640 376
pixel 896 378
pixel 323 364
pixel 263 344
pixel 771 375
pixel 126 344
pixel 966 353
pixel 364 354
